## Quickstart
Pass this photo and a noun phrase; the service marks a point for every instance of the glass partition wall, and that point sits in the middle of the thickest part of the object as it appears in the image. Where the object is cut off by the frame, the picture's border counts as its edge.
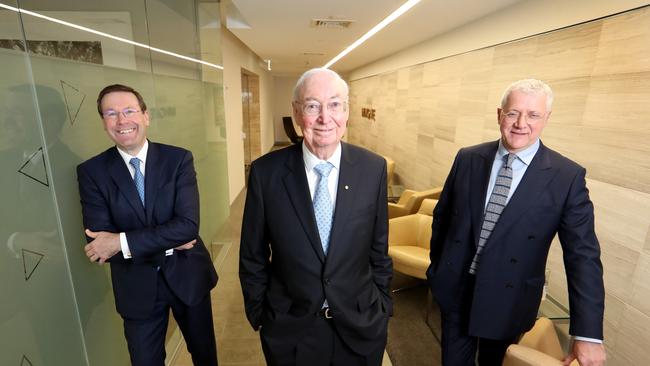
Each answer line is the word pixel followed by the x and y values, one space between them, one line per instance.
pixel 57 308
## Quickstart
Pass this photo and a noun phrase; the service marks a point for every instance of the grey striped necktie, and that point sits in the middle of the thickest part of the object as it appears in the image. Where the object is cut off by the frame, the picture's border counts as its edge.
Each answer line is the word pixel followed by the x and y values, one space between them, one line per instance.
pixel 495 206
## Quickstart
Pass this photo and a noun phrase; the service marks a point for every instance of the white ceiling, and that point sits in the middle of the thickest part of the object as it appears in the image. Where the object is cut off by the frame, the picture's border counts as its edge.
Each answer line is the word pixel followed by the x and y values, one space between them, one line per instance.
pixel 280 29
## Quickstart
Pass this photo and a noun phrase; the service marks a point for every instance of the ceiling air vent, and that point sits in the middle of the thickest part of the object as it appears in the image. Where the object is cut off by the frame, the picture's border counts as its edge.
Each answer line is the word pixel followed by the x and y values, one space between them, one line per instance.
pixel 331 23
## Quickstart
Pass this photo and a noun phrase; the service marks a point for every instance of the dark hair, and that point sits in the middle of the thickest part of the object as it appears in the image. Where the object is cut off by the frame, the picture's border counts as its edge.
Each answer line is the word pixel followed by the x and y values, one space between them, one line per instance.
pixel 119 88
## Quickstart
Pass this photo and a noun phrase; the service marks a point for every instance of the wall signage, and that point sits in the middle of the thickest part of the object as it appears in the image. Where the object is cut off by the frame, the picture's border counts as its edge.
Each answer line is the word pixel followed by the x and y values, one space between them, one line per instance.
pixel 368 113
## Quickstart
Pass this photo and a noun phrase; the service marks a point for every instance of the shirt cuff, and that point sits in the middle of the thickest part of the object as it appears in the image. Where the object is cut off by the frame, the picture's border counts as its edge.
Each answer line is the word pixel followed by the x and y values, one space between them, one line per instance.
pixel 124 244
pixel 592 340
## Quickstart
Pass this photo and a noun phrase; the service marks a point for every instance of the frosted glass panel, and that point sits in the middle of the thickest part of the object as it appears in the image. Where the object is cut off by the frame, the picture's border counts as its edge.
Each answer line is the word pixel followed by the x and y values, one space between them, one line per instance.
pixel 39 323
pixel 189 113
pixel 57 307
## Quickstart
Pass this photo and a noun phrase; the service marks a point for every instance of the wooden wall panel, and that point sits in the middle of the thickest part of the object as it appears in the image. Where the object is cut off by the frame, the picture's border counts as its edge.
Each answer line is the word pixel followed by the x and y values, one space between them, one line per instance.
pixel 623 46
pixel 600 74
pixel 514 61
pixel 567 54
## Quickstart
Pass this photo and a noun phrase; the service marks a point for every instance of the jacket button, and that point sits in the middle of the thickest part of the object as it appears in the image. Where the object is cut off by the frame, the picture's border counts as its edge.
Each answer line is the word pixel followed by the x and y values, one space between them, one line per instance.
pixel 327 281
pixel 531 237
pixel 509 285
pixel 513 260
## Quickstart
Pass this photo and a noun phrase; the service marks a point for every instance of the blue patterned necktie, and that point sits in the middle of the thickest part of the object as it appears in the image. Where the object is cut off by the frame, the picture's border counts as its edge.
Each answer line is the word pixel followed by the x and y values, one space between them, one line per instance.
pixel 323 204
pixel 138 178
pixel 495 206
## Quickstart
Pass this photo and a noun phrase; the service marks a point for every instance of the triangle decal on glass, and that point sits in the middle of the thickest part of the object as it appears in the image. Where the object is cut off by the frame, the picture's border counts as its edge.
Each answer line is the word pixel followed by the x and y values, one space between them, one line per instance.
pixel 34 168
pixel 25 361
pixel 31 260
pixel 73 100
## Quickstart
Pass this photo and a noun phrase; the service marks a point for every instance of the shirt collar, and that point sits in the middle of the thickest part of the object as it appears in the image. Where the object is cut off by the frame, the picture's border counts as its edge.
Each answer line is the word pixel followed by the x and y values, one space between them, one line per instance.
pixel 311 160
pixel 142 155
pixel 525 156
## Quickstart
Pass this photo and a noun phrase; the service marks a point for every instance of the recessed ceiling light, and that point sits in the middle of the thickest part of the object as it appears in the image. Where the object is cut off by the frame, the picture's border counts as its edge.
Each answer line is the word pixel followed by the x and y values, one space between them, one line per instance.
pixel 331 23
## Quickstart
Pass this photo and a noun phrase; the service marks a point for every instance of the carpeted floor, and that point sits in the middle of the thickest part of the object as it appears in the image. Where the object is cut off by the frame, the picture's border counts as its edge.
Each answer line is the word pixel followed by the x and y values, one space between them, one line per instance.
pixel 411 342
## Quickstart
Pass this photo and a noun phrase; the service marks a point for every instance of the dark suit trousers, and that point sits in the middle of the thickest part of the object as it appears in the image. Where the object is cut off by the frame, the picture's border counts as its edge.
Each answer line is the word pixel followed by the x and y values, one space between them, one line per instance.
pixel 321 346
pixel 146 337
pixel 459 348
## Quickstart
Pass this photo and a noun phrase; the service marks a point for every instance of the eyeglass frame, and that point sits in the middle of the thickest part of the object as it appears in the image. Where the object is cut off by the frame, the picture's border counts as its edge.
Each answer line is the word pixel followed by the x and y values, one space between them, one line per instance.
pixel 126 113
pixel 530 119
pixel 344 107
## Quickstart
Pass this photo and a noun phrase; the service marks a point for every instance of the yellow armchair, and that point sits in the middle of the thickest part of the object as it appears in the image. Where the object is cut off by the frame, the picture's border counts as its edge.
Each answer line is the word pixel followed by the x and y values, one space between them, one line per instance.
pixel 408 240
pixel 540 346
pixel 409 202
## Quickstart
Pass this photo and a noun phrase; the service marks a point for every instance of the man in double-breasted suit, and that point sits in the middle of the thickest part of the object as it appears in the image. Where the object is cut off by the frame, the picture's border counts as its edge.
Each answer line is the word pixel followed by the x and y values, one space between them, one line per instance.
pixel 314 267
pixel 491 234
pixel 140 205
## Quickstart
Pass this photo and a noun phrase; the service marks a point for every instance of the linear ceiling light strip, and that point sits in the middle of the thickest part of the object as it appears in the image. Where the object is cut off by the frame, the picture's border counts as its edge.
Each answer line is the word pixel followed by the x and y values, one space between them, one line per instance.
pixel 389 19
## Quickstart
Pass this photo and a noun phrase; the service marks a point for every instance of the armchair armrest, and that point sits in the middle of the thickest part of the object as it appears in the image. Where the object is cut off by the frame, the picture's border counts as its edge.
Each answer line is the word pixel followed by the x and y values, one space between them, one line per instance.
pixel 436 192
pixel 396 210
pixel 518 355
pixel 404 198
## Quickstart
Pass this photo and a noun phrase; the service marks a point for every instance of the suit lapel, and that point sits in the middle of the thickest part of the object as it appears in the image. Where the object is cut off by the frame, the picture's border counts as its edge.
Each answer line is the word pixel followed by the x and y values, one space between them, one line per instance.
pixel 481 169
pixel 151 179
pixel 298 191
pixel 120 175
pixel 537 176
pixel 347 185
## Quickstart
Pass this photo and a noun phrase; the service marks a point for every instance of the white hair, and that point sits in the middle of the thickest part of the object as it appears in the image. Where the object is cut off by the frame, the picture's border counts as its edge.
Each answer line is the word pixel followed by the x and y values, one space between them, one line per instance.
pixel 309 73
pixel 529 86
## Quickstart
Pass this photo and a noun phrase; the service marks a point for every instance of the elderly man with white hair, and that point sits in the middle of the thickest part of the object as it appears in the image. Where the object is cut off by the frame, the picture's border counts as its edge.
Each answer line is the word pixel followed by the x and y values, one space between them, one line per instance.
pixel 314 264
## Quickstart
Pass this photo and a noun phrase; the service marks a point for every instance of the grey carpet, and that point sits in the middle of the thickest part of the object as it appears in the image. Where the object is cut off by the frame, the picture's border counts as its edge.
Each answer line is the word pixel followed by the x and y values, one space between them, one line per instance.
pixel 411 341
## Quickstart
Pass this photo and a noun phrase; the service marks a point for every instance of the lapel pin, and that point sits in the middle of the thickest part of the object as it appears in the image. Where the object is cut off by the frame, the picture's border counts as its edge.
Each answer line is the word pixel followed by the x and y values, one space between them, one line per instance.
pixel 346 187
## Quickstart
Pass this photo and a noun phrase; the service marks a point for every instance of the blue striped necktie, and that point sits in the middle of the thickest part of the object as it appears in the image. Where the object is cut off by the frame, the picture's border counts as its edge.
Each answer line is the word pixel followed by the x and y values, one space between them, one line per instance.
pixel 495 206
pixel 138 178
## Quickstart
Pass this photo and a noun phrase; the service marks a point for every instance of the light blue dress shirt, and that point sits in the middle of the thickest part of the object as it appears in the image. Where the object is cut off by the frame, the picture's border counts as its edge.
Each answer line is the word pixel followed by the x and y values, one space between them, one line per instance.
pixel 519 167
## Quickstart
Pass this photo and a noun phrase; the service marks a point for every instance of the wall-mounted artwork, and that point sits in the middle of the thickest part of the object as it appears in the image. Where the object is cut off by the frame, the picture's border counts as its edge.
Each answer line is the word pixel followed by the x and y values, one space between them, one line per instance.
pixel 84 51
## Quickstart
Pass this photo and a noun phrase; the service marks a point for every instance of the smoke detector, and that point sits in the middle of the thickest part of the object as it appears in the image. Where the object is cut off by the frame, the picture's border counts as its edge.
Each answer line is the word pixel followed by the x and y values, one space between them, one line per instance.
pixel 331 23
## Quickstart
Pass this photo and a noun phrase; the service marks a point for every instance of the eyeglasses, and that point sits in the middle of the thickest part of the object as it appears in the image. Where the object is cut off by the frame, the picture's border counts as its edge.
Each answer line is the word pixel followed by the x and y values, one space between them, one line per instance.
pixel 113 115
pixel 531 118
pixel 315 108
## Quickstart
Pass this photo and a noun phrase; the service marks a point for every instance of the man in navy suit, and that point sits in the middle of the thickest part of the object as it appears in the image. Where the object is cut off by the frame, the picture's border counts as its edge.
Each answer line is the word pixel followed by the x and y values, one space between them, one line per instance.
pixel 489 251
pixel 314 264
pixel 140 204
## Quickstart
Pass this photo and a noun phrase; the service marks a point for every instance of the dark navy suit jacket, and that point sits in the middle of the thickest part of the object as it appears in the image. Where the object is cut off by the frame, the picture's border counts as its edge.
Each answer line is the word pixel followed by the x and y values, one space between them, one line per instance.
pixel 284 273
pixel 551 198
pixel 110 202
